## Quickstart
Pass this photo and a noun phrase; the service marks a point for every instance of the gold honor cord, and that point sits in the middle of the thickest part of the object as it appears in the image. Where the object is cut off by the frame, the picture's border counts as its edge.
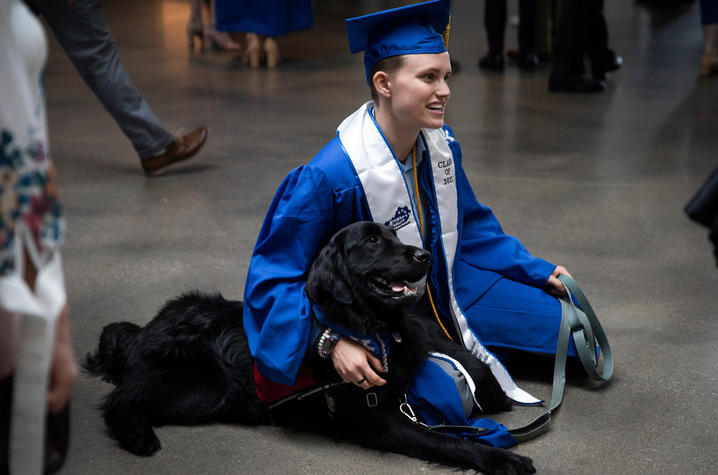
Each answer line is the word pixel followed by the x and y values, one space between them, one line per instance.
pixel 421 232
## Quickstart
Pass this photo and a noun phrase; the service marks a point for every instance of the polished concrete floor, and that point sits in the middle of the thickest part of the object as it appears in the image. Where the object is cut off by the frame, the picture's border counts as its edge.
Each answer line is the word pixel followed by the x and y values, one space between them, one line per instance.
pixel 596 183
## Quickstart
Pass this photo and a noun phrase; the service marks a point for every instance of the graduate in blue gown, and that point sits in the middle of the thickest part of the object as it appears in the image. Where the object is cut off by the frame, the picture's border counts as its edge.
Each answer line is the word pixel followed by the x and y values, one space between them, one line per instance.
pixel 394 161
pixel 263 21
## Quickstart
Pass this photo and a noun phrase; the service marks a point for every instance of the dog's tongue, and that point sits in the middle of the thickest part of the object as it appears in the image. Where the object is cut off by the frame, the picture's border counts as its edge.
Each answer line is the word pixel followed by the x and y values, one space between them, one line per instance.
pixel 397 286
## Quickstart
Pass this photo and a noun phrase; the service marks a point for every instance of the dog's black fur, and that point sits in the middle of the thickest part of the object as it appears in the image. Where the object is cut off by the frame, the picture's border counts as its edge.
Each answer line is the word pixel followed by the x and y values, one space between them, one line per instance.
pixel 191 364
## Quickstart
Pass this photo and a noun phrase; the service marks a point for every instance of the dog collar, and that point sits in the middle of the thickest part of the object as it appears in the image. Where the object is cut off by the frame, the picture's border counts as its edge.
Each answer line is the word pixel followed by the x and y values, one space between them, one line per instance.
pixel 378 344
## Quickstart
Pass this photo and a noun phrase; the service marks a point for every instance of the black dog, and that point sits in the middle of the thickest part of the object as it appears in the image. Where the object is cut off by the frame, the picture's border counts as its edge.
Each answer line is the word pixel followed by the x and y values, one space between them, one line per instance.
pixel 191 364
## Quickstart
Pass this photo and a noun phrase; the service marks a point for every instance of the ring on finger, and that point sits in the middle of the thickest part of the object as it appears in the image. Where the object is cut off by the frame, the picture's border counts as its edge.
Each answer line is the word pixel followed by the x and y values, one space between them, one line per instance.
pixel 361 381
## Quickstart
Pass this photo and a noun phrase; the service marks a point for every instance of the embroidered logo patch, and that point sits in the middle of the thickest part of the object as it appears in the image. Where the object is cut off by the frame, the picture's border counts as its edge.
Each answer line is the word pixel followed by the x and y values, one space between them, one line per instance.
pixel 445 133
pixel 400 219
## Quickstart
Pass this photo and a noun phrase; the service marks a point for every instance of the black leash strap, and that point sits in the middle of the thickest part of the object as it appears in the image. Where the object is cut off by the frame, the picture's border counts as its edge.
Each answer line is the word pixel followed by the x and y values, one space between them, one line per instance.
pixel 303 394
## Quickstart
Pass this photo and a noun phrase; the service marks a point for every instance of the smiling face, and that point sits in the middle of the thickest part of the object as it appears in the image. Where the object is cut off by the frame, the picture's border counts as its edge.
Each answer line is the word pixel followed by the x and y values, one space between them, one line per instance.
pixel 418 91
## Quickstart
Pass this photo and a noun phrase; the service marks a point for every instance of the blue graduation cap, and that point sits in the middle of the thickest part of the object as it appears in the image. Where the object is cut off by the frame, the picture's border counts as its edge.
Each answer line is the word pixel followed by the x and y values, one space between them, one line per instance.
pixel 412 29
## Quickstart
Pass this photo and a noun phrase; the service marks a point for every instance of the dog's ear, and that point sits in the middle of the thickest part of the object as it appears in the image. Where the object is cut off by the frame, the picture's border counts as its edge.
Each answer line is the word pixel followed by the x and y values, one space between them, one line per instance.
pixel 328 278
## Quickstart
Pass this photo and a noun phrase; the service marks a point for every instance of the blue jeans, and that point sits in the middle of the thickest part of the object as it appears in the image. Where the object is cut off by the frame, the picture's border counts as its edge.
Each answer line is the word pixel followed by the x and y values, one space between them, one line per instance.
pixel 81 31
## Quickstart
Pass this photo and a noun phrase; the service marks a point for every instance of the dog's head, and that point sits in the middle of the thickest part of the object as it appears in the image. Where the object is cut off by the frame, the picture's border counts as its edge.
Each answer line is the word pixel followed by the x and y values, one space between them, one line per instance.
pixel 364 273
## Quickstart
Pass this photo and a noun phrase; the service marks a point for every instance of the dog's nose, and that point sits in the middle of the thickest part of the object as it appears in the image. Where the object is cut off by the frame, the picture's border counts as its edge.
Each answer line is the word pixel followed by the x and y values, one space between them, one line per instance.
pixel 421 255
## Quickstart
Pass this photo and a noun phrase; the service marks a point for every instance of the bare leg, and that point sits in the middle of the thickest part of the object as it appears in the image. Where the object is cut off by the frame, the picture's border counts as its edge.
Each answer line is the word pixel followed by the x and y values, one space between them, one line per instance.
pixel 219 40
pixel 195 25
pixel 253 53
pixel 271 49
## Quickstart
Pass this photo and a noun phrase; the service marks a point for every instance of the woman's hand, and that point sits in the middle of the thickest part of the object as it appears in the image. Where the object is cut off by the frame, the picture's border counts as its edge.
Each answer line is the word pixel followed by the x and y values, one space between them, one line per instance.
pixel 356 365
pixel 63 370
pixel 555 287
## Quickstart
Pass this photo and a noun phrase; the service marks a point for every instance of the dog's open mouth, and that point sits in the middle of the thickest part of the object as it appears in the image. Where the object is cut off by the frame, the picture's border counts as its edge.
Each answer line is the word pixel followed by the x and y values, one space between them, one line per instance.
pixel 397 289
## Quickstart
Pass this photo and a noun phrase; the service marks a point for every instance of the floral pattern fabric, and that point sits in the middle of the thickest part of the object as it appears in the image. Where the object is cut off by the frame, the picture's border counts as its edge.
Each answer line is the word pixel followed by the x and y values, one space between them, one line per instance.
pixel 30 210
pixel 28 192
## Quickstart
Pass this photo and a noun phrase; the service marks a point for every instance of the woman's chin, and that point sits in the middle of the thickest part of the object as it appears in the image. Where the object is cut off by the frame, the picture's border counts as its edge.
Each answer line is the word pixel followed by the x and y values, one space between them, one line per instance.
pixel 434 124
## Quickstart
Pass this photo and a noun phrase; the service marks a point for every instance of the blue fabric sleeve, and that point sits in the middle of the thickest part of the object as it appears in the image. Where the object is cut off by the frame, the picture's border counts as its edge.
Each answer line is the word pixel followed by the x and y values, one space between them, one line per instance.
pixel 277 312
pixel 483 242
pixel 311 204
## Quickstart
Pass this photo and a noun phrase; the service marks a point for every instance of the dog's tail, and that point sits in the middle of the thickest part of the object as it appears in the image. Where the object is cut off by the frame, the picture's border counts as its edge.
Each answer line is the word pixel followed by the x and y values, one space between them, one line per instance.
pixel 110 358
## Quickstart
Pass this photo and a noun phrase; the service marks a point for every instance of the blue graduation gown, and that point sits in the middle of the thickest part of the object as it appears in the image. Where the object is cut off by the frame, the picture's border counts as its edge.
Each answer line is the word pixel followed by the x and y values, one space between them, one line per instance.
pixel 264 17
pixel 317 200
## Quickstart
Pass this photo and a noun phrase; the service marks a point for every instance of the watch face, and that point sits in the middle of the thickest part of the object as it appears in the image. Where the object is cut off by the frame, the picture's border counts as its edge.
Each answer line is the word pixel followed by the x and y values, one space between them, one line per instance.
pixel 327 344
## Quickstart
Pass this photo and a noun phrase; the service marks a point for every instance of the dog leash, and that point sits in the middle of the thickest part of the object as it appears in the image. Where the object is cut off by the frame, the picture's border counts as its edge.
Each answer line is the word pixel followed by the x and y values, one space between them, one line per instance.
pixel 300 395
pixel 586 330
pixel 581 323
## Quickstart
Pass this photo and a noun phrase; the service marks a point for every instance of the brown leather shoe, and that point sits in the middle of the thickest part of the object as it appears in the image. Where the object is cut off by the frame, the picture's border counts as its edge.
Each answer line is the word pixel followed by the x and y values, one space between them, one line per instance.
pixel 180 149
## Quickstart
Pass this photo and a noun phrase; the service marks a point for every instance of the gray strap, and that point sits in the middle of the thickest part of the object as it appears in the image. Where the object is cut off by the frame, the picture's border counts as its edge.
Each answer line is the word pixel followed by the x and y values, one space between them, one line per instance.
pixel 585 342
pixel 586 331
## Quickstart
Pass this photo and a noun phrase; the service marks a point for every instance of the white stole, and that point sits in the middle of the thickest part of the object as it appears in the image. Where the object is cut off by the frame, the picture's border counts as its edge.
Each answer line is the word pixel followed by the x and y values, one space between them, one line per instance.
pixel 381 175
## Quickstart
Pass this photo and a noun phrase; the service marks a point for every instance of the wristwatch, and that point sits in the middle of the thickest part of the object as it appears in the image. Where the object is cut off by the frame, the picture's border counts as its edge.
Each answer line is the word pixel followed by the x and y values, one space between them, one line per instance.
pixel 326 342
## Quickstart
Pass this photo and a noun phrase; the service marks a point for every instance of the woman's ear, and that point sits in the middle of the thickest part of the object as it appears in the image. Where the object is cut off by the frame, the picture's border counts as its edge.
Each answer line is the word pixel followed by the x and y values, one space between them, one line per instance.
pixel 382 84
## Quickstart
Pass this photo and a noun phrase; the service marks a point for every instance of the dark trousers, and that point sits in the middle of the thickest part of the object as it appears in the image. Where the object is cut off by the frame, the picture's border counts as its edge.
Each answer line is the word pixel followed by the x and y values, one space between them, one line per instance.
pixel 495 13
pixel 582 30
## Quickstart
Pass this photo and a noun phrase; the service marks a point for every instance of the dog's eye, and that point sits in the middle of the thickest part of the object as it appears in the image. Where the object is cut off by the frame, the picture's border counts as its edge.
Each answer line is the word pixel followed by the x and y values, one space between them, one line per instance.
pixel 373 239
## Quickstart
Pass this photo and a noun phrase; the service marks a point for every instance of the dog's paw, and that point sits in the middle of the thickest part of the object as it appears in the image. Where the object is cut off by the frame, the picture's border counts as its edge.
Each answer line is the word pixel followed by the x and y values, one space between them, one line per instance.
pixel 143 443
pixel 505 462
pixel 493 401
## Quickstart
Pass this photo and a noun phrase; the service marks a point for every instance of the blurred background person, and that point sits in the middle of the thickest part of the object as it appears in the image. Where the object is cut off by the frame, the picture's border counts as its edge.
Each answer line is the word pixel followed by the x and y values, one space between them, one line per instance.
pixel 709 19
pixel 703 209
pixel 79 26
pixel 582 31
pixel 37 363
pixel 263 21
pixel 207 34
pixel 495 13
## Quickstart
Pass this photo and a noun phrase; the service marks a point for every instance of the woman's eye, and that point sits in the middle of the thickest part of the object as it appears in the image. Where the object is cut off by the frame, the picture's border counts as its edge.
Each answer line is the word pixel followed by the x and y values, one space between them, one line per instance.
pixel 429 77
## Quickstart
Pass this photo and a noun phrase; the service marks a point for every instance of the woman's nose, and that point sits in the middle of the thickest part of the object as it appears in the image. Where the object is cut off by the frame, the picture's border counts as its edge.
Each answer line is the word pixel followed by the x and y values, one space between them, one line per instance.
pixel 443 89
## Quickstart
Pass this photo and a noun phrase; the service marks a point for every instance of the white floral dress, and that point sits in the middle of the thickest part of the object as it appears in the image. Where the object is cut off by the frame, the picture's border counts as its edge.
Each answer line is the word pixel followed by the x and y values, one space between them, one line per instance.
pixel 31 225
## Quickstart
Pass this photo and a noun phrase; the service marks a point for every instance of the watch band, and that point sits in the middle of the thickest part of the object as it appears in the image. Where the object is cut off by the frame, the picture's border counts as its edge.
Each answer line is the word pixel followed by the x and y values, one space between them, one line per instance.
pixel 326 342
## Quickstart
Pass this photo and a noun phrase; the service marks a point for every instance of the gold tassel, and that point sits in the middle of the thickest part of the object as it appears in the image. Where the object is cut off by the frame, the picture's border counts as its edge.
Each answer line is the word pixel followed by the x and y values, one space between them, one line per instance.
pixel 446 33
